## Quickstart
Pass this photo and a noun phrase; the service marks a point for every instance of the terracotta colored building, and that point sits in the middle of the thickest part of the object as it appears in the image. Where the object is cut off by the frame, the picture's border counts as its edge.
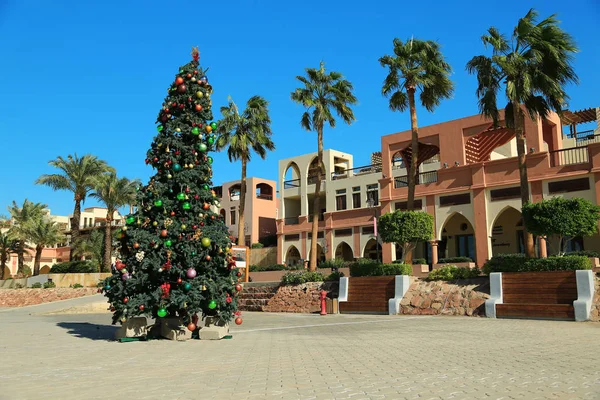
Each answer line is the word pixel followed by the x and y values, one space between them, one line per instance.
pixel 468 180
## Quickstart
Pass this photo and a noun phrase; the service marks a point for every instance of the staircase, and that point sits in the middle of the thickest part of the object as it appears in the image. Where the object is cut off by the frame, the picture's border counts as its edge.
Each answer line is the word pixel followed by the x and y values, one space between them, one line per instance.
pixel 369 294
pixel 256 295
pixel 547 295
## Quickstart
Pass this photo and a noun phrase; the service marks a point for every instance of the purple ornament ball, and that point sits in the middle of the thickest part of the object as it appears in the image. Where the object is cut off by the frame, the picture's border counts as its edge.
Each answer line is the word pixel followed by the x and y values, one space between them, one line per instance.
pixel 191 273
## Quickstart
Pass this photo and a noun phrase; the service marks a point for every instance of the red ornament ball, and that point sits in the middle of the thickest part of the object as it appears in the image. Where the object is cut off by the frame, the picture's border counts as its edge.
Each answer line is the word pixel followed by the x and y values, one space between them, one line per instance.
pixel 174 104
pixel 125 300
pixel 179 80
pixel 195 72
pixel 181 106
pixel 189 76
pixel 191 326
pixel 238 287
pixel 179 280
pixel 198 107
pixel 207 258
pixel 112 309
pixel 164 233
pixel 228 300
pixel 238 274
pixel 181 88
pixel 238 321
pixel 142 307
pixel 172 213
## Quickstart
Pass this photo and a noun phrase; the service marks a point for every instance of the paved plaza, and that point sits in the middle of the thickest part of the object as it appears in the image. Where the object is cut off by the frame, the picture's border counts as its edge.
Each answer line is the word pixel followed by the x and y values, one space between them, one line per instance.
pixel 45 355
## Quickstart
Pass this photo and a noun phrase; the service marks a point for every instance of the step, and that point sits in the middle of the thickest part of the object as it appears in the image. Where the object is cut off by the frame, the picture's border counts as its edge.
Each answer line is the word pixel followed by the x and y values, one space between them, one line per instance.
pixel 349 306
pixel 529 310
pixel 534 298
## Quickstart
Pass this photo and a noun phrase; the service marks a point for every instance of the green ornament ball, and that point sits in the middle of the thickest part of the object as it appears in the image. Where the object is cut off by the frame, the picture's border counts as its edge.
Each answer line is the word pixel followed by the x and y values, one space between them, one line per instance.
pixel 187 286
pixel 161 312
pixel 212 304
pixel 176 167
pixel 168 243
pixel 205 186
pixel 158 203
pixel 213 125
pixel 210 159
pixel 195 130
pixel 206 242
pixel 202 147
pixel 180 196
pixel 160 128
pixel 186 206
pixel 211 140
pixel 130 219
pixel 193 253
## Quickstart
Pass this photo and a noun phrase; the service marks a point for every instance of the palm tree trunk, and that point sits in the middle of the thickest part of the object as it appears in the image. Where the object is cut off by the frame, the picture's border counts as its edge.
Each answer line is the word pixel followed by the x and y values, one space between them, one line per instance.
pixel 316 203
pixel 107 255
pixel 75 226
pixel 241 232
pixel 3 260
pixel 522 162
pixel 38 258
pixel 414 165
pixel 20 256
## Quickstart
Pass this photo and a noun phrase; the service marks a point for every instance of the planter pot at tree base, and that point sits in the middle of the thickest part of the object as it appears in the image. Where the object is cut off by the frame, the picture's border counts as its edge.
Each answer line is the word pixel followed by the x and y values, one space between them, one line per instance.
pixel 133 328
pixel 173 328
pixel 213 329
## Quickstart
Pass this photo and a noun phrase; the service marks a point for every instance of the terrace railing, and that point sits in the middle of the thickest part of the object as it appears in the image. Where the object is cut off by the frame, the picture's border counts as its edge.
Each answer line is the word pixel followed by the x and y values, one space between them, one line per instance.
pixel 572 156
pixel 358 171
pixel 292 183
pixel 264 196
pixel 422 179
pixel 291 220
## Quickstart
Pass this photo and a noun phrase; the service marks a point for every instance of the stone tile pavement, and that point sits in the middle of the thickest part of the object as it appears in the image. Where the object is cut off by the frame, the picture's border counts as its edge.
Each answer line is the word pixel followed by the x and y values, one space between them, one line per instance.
pixel 299 356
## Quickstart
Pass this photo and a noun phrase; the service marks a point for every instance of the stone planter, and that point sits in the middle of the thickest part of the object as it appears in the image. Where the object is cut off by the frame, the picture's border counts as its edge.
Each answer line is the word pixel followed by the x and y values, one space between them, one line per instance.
pixel 173 328
pixel 213 329
pixel 133 328
pixel 459 265
pixel 420 270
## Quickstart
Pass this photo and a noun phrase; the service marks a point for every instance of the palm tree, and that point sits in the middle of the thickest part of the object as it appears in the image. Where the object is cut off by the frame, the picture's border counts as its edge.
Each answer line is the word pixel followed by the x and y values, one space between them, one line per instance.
pixel 92 246
pixel 22 218
pixel 242 134
pixel 534 66
pixel 416 65
pixel 7 246
pixel 43 232
pixel 321 94
pixel 77 175
pixel 115 193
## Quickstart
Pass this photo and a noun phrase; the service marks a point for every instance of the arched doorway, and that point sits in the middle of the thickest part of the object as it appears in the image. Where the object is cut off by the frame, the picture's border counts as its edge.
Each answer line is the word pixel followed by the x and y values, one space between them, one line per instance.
pixel 507 232
pixel 371 248
pixel 292 257
pixel 458 238
pixel 45 269
pixel 344 252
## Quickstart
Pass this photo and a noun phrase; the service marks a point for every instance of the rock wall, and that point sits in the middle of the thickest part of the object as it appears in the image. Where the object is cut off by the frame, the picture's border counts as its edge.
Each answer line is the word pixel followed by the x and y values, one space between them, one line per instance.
pixel 595 315
pixel 466 297
pixel 27 297
pixel 302 298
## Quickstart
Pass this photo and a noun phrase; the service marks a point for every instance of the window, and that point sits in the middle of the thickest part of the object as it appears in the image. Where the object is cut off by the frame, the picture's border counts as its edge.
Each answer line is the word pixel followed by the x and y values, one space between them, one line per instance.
pixel 368 230
pixel 320 235
pixel 506 193
pixel 572 185
pixel 455 200
pixel 373 193
pixel 403 205
pixel 343 232
pixel 232 213
pixel 340 199
pixel 356 200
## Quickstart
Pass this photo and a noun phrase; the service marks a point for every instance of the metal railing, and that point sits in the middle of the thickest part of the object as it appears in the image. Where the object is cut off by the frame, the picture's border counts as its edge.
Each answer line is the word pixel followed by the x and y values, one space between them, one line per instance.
pixel 292 183
pixel 422 179
pixel 312 179
pixel 291 221
pixel 264 196
pixel 365 170
pixel 572 156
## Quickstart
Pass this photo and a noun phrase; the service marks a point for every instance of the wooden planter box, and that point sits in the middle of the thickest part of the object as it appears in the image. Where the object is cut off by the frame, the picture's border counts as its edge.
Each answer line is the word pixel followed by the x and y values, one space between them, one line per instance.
pixel 459 265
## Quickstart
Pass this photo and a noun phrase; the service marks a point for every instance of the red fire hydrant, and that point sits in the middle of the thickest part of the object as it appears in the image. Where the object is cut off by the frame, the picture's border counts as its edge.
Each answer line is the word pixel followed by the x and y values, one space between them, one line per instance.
pixel 323 296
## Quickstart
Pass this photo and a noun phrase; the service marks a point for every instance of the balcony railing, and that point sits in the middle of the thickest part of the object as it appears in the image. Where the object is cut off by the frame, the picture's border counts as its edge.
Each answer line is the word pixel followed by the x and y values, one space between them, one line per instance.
pixel 432 160
pixel 572 156
pixel 422 179
pixel 292 183
pixel 358 171
pixel 321 217
pixel 264 196
pixel 291 221
pixel 312 179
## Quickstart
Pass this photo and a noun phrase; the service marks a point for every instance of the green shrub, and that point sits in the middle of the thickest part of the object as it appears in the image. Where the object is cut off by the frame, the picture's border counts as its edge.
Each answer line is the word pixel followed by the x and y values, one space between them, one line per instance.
pixel 452 273
pixel 585 253
pixel 296 278
pixel 49 285
pixel 76 285
pixel 419 261
pixel 334 263
pixel 37 285
pixel 257 246
pixel 449 260
pixel 373 268
pixel 334 276
pixel 274 267
pixel 19 286
pixel 518 263
pixel 74 267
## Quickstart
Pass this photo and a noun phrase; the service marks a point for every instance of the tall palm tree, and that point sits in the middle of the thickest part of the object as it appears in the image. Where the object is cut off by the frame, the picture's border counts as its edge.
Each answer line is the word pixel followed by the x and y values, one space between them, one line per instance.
pixel 534 66
pixel 7 246
pixel 43 232
pixel 322 94
pixel 92 246
pixel 416 65
pixel 77 175
pixel 22 219
pixel 242 134
pixel 115 193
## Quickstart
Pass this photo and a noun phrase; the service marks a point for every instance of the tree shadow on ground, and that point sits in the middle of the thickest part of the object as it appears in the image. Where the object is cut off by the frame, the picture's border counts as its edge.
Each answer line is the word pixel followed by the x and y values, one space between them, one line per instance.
pixel 89 331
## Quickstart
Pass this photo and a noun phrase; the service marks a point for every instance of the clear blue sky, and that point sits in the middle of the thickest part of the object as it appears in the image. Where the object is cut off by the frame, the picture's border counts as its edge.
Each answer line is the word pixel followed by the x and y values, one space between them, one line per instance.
pixel 89 76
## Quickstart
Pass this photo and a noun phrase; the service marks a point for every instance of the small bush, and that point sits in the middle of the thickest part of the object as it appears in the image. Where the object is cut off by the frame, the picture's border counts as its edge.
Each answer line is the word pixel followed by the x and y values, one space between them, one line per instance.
pixel 19 286
pixel 37 285
pixel 257 246
pixel 74 267
pixel 584 253
pixel 334 276
pixel 518 263
pixel 274 267
pixel 452 273
pixel 76 285
pixel 334 263
pixel 449 260
pixel 296 278
pixel 49 285
pixel 373 268
pixel 419 261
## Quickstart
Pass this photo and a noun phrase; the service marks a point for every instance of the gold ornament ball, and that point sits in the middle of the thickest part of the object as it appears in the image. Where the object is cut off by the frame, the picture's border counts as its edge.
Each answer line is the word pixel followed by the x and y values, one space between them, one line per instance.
pixel 155 223
pixel 177 130
pixel 183 226
pixel 169 176
pixel 199 94
pixel 124 228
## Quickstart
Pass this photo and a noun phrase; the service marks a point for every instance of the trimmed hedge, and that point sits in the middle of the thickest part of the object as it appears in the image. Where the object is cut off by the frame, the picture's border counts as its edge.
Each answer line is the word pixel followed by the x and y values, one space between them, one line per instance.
pixel 74 267
pixel 334 263
pixel 274 267
pixel 585 253
pixel 334 276
pixel 418 261
pixel 518 263
pixel 452 273
pixel 297 278
pixel 372 268
pixel 257 246
pixel 449 260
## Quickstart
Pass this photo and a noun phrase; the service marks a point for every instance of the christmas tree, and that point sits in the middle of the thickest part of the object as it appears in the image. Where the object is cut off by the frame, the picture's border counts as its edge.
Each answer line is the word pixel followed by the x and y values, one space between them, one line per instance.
pixel 174 257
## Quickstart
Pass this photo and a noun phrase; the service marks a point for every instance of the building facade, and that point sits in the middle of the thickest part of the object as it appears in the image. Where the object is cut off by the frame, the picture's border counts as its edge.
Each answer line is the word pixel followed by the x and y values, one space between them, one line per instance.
pixel 468 181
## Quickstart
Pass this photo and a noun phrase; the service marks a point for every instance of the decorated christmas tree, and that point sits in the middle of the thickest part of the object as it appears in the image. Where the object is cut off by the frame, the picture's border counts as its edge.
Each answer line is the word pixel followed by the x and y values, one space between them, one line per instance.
pixel 174 258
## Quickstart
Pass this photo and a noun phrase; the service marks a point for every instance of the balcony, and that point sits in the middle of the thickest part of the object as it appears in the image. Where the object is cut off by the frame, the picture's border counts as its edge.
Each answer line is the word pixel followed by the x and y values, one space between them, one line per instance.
pixel 422 179
pixel 572 156
pixel 358 171
pixel 321 217
pixel 292 183
pixel 264 196
pixel 291 220
pixel 584 138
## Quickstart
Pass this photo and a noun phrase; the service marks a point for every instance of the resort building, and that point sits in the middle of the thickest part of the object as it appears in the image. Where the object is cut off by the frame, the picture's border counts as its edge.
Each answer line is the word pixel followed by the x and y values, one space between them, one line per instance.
pixel 260 211
pixel 468 181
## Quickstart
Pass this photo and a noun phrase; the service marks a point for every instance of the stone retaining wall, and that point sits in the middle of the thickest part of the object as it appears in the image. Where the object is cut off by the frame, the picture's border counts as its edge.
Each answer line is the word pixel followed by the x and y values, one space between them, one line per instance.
pixel 302 298
pixel 466 297
pixel 595 314
pixel 275 276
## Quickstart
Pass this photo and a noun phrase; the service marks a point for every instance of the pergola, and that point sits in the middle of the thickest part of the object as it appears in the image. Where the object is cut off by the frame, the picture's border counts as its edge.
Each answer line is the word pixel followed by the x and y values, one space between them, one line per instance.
pixel 572 118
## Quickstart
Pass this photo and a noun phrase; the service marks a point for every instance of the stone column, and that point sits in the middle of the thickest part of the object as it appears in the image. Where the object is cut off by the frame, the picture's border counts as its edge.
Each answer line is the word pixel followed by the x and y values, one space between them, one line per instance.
pixel 543 250
pixel 434 251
